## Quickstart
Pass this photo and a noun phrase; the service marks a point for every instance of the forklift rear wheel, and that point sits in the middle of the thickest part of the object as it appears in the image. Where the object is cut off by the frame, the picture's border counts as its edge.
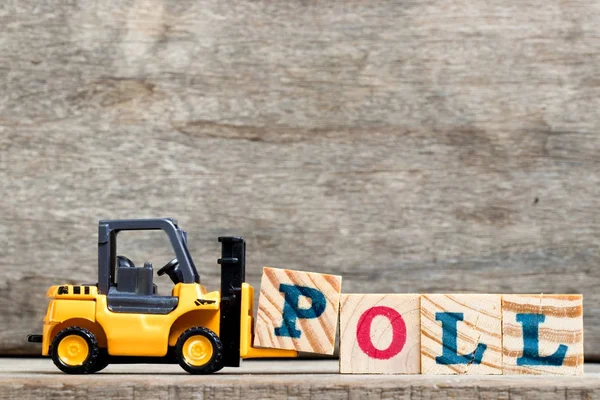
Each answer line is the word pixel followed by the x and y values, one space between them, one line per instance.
pixel 199 351
pixel 75 350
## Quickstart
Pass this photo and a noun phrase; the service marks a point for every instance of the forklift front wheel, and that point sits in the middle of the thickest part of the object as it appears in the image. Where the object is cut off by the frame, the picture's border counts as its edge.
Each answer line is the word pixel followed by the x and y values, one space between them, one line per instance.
pixel 199 351
pixel 75 350
pixel 101 362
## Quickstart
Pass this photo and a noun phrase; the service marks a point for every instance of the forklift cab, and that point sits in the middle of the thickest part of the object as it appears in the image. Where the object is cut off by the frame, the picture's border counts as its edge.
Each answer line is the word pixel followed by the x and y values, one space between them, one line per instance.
pixel 130 289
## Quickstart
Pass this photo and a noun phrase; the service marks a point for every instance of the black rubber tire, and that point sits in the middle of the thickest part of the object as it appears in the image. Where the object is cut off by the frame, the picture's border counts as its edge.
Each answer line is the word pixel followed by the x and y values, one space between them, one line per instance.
pixel 101 362
pixel 88 364
pixel 216 361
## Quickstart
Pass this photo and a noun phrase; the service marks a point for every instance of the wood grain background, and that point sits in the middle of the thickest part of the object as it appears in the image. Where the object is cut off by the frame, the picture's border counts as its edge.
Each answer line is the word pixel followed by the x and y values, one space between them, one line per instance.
pixel 409 146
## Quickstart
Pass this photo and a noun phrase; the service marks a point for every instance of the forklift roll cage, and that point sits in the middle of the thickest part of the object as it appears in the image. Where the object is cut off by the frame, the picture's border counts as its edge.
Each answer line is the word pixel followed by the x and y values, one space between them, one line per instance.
pixel 107 247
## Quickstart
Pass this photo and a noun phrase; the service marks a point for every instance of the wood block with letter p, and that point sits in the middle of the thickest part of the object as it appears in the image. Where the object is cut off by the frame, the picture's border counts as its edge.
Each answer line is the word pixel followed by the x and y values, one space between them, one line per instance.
pixel 543 334
pixel 461 334
pixel 297 310
pixel 380 334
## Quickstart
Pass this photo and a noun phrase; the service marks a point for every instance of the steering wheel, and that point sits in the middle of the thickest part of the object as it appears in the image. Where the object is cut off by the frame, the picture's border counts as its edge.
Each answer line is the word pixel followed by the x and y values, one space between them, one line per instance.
pixel 169 269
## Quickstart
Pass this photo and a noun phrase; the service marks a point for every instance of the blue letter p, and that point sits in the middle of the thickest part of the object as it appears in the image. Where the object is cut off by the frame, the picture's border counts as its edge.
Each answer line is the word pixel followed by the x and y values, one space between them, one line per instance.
pixel 292 310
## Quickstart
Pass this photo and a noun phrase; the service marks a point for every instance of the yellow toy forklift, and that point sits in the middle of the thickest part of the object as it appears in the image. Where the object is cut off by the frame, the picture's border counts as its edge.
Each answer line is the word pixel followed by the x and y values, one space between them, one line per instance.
pixel 122 319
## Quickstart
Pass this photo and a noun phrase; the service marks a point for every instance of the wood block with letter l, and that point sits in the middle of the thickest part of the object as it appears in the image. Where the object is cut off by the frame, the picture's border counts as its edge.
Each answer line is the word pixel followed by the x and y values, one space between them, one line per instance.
pixel 297 310
pixel 380 334
pixel 543 334
pixel 461 334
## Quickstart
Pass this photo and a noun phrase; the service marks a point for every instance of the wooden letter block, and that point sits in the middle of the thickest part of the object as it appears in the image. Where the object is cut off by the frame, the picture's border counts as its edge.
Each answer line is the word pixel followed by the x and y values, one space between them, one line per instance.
pixel 543 334
pixel 461 334
pixel 380 334
pixel 297 311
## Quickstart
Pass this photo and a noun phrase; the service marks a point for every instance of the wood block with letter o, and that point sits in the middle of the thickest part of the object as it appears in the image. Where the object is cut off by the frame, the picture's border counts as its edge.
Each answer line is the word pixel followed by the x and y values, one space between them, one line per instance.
pixel 380 334
pixel 297 310
pixel 543 334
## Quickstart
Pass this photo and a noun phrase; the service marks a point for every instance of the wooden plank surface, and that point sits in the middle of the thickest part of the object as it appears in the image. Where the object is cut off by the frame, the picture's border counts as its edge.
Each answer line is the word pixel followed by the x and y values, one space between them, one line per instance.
pixel 423 146
pixel 314 380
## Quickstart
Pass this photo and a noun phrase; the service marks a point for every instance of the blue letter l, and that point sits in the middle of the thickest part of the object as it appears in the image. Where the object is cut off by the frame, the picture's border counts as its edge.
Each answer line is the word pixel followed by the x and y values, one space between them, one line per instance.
pixel 531 343
pixel 450 342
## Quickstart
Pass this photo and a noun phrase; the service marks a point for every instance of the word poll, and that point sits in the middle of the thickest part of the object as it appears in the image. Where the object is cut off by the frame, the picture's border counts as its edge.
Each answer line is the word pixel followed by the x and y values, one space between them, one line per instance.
pixel 421 333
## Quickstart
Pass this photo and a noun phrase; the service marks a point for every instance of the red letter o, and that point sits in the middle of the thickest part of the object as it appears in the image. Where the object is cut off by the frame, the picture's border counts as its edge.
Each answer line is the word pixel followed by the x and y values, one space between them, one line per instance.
pixel 363 332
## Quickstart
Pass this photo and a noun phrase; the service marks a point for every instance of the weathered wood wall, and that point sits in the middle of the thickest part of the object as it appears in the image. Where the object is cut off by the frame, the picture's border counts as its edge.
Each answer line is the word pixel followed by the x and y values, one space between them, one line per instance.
pixel 408 145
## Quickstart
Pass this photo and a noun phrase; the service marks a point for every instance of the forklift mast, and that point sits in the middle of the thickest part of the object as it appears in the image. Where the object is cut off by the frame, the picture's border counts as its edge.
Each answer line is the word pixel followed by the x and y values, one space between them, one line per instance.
pixel 233 274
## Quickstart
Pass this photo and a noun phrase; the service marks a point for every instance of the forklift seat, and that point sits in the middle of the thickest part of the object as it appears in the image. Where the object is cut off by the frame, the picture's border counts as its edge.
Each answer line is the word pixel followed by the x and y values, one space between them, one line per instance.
pixel 139 304
pixel 135 292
